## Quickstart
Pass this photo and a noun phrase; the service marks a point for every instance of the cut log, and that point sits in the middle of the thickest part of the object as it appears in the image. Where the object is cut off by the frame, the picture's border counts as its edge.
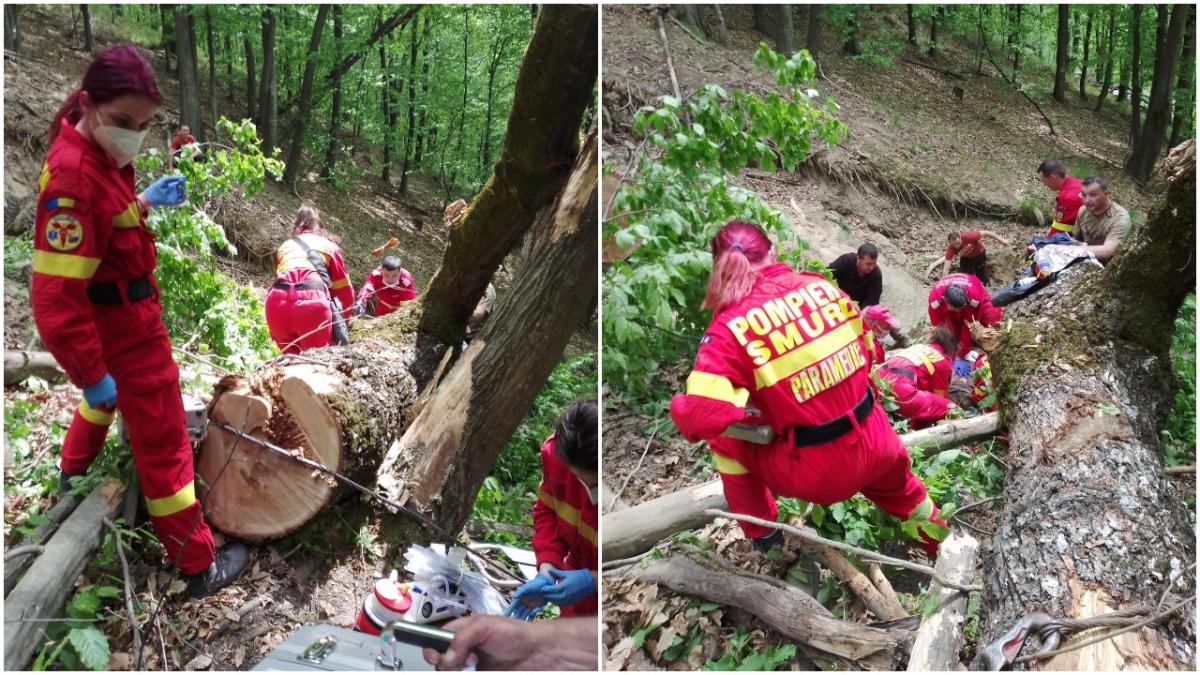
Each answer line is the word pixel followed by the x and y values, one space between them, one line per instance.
pixel 1091 523
pixel 783 607
pixel 337 406
pixel 941 634
pixel 877 577
pixel 639 527
pixel 20 366
pixel 42 591
pixel 54 517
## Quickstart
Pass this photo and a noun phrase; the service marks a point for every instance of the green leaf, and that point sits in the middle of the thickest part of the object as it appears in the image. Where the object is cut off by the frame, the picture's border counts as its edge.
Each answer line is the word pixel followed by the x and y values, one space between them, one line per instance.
pixel 91 645
pixel 84 604
pixel 108 591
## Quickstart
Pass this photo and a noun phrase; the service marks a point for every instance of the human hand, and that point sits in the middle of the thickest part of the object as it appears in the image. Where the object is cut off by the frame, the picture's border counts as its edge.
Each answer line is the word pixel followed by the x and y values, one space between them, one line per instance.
pixel 103 394
pixel 572 586
pixel 529 597
pixel 490 643
pixel 166 191
pixel 962 367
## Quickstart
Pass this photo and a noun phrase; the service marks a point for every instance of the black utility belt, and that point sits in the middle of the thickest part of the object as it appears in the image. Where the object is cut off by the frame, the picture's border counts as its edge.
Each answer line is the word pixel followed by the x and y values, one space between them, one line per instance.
pixel 910 374
pixel 310 285
pixel 110 293
pixel 835 428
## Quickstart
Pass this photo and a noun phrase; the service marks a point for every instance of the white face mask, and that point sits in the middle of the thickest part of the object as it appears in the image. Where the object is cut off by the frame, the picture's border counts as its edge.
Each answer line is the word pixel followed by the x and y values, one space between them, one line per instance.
pixel 120 144
pixel 592 492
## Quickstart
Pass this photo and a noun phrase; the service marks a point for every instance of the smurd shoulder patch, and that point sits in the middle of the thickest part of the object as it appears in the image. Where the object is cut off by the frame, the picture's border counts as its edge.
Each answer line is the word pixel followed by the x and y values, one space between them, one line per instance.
pixel 64 232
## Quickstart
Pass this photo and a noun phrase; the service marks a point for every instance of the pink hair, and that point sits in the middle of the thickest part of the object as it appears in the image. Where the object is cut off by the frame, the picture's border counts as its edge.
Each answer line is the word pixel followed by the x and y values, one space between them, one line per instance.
pixel 881 316
pixel 115 72
pixel 736 248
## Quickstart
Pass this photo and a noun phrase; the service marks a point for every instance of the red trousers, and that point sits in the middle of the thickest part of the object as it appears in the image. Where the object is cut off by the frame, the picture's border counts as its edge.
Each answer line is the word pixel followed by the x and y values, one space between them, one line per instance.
pixel 869 459
pixel 299 319
pixel 137 353
pixel 921 408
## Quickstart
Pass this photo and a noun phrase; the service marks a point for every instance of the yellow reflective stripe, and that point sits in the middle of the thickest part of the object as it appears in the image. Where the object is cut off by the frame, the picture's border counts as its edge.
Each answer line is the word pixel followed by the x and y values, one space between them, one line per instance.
pixel 570 514
pixel 729 466
pixel 341 283
pixel 97 417
pixel 920 355
pixel 717 388
pixel 130 218
pixel 165 506
pixel 869 341
pixel 802 357
pixel 44 178
pixel 1061 227
pixel 64 265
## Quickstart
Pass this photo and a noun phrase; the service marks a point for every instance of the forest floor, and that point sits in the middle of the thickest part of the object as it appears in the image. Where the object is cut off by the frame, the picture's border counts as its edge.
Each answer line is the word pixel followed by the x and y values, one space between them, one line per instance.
pixel 319 574
pixel 970 163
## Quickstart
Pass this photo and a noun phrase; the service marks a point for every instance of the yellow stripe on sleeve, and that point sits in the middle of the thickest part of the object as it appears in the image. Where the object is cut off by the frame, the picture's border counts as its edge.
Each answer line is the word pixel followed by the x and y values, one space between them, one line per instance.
pixel 717 388
pixel 165 506
pixel 341 283
pixel 569 514
pixel 729 466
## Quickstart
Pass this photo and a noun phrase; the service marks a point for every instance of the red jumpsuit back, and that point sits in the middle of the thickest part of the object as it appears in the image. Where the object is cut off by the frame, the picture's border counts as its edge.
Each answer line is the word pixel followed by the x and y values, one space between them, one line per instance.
pixel 978 308
pixel 564 525
pixel 920 378
pixel 297 307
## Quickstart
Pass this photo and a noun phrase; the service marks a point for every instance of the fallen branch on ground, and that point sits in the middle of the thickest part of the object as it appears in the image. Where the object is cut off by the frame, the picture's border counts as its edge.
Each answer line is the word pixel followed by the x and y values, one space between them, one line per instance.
pixel 133 622
pixel 941 634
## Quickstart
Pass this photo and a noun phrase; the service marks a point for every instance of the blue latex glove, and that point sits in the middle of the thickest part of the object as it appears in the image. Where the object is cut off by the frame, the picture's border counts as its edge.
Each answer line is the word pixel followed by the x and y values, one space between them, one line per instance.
pixel 962 367
pixel 529 598
pixel 102 394
pixel 572 586
pixel 166 191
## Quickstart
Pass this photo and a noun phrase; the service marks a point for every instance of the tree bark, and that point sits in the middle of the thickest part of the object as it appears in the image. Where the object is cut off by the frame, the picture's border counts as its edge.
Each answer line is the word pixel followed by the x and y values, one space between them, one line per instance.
pixel 1146 150
pixel 940 636
pixel 212 68
pixel 485 149
pixel 447 452
pixel 419 152
pixel 721 33
pixel 912 26
pixel 335 108
pixel 1135 92
pixel 554 86
pixel 1183 106
pixel 1060 58
pixel 397 20
pixel 1123 81
pixel 251 112
pixel 940 14
pixel 412 104
pixel 1107 51
pixel 1091 523
pixel 167 14
pixel 1087 40
pixel 385 94
pixel 1014 41
pixel 812 40
pixel 852 46
pixel 295 155
pixel 462 111
pixel 229 86
pixel 189 98
pixel 12 28
pixel 40 594
pixel 58 513
pixel 785 41
pixel 689 15
pixel 20 366
pixel 267 87
pixel 89 38
pixel 762 20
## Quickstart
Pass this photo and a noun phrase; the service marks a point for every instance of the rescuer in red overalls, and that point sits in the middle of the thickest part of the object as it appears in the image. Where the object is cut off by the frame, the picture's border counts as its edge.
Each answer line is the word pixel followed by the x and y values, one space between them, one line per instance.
pixel 96 303
pixel 1068 201
pixel 788 349
pixel 956 300
pixel 565 520
pixel 386 288
pixel 920 379
pixel 298 308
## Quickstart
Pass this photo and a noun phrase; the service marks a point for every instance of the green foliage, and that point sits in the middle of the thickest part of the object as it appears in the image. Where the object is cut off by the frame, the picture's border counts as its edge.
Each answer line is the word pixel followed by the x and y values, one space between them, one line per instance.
pixel 741 655
pixel 17 252
pixel 682 196
pixel 78 643
pixel 509 492
pixel 1179 435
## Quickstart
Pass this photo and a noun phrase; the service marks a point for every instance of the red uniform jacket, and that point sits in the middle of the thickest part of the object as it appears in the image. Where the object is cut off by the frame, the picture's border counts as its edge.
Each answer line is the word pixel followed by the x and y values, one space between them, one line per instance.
pixel 564 524
pixel 978 308
pixel 386 299
pixel 180 140
pixel 920 377
pixel 1066 206
pixel 88 227
pixel 292 265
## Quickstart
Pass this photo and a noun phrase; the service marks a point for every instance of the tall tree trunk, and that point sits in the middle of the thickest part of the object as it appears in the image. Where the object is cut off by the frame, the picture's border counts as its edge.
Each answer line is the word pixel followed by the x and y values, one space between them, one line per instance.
pixel 852 46
pixel 1014 41
pixel 335 109
pixel 912 26
pixel 251 111
pixel 785 41
pixel 1107 52
pixel 189 98
pixel 722 33
pixel 212 68
pixel 89 38
pixel 446 453
pixel 426 46
pixel 1090 522
pixel 397 20
pixel 689 15
pixel 358 110
pixel 762 20
pixel 229 57
pixel 12 28
pixel 389 131
pixel 485 142
pixel 295 155
pixel 812 39
pixel 1123 84
pixel 934 18
pixel 554 87
pixel 195 43
pixel 268 88
pixel 167 15
pixel 1183 106
pixel 1087 39
pixel 412 108
pixel 1145 152
pixel 1135 91
pixel 462 114
pixel 1060 58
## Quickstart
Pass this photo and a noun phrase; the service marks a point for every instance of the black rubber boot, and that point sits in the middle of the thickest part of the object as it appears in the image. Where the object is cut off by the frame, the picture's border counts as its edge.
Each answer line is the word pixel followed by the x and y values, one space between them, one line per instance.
pixel 224 570
pixel 767 542
pixel 64 481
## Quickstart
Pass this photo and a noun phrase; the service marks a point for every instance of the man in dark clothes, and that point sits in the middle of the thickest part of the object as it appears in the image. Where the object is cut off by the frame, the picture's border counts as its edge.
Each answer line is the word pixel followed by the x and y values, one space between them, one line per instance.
pixel 858 275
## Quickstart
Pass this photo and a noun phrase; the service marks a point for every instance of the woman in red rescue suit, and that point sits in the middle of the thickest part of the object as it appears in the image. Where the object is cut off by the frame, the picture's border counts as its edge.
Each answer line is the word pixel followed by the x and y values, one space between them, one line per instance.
pixel 96 303
pixel 298 309
pixel 788 349
pixel 564 520
pixel 920 378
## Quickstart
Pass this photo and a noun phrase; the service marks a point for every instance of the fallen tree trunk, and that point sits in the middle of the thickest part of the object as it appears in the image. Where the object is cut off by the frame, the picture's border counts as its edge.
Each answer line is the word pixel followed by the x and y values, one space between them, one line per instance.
pixel 783 607
pixel 63 508
pixel 42 591
pixel 20 366
pixel 639 527
pixel 941 634
pixel 1091 523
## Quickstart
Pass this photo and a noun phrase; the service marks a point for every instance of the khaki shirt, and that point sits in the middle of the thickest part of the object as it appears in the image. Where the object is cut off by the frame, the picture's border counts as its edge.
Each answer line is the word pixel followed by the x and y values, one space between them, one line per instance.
pixel 1095 230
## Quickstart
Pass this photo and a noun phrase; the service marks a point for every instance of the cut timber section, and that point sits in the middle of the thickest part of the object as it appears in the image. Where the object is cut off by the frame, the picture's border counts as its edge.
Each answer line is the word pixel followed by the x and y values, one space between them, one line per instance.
pixel 634 530
pixel 941 634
